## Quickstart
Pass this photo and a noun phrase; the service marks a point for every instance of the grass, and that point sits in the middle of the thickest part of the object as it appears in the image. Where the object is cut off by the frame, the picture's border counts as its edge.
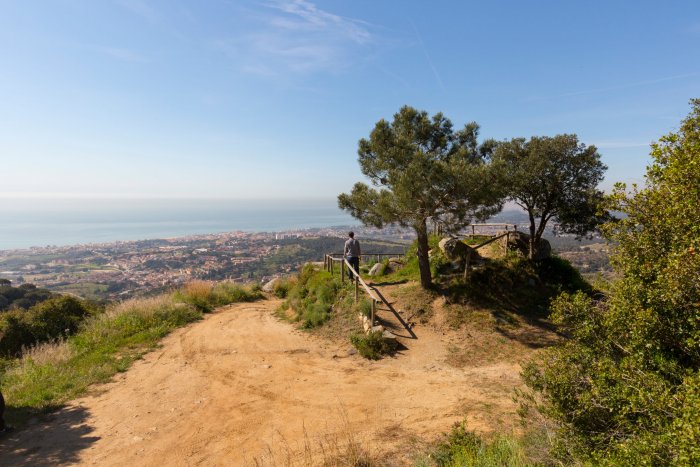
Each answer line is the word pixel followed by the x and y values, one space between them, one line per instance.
pixel 372 345
pixel 313 297
pixel 461 448
pixel 48 375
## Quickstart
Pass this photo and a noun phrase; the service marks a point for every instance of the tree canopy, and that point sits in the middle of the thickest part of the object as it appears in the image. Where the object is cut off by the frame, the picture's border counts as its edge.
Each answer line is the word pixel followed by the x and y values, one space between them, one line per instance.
pixel 422 169
pixel 552 178
pixel 625 390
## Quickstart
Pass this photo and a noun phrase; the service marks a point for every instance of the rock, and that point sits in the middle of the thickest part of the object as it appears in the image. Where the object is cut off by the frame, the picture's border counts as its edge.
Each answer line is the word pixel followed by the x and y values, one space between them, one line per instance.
pixel 378 328
pixel 376 269
pixel 455 249
pixel 270 286
pixel 391 265
pixel 520 241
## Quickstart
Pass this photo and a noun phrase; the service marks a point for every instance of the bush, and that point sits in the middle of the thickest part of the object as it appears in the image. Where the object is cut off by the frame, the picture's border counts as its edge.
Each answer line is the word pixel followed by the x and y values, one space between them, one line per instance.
pixel 49 320
pixel 282 287
pixel 373 345
pixel 465 448
pixel 624 390
pixel 312 296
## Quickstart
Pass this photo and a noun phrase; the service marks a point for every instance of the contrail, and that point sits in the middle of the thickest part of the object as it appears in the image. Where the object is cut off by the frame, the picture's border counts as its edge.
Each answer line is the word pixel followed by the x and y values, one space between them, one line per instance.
pixel 427 56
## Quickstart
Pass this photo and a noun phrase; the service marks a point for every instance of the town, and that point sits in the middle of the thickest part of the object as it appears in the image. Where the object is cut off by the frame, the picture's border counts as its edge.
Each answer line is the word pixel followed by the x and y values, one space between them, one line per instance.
pixel 108 271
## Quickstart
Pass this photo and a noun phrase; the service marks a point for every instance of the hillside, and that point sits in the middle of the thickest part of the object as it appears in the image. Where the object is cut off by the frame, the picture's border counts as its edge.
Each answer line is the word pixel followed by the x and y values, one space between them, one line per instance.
pixel 242 385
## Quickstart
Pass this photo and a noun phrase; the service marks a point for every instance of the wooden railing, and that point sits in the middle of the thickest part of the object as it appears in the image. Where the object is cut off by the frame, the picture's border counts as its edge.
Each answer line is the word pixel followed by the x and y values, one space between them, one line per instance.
pixel 329 265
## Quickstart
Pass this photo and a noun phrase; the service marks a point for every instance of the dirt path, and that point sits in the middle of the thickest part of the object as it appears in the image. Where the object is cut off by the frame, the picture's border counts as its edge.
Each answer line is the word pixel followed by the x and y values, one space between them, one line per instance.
pixel 241 386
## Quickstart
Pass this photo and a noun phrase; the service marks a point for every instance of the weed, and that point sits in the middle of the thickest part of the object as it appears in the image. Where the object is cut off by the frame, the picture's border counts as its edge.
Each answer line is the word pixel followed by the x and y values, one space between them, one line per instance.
pixel 373 346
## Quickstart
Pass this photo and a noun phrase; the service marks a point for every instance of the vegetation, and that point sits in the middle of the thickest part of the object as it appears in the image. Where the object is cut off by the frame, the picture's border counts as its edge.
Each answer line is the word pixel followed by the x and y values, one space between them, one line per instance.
pixel 424 170
pixel 104 343
pixel 625 389
pixel 552 178
pixel 461 447
pixel 312 296
pixel 205 296
pixel 373 345
pixel 52 319
pixel 25 296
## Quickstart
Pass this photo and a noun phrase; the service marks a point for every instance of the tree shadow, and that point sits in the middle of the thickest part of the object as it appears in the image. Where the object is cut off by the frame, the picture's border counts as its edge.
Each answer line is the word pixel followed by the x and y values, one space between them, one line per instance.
pixel 518 296
pixel 53 439
pixel 395 282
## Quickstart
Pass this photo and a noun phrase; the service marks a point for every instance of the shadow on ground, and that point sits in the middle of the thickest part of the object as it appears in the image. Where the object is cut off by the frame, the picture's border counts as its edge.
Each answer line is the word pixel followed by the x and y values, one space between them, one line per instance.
pixel 56 438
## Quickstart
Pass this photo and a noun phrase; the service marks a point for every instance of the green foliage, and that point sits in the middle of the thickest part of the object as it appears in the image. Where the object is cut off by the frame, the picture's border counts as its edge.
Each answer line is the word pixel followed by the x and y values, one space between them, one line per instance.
pixel 624 390
pixel 25 296
pixel 461 447
pixel 372 345
pixel 282 287
pixel 54 318
pixel 424 170
pixel 312 296
pixel 552 178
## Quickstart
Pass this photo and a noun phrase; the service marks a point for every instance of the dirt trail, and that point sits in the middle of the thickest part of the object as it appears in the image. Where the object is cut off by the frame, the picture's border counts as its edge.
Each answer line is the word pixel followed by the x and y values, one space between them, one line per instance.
pixel 241 386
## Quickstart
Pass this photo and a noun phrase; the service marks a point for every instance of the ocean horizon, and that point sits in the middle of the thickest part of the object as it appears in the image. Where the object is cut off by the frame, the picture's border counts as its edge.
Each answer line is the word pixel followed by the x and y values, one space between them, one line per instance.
pixel 26 223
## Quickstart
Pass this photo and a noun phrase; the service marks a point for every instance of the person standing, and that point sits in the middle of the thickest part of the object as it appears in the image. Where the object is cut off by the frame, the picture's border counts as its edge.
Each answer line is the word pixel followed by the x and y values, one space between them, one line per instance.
pixel 352 253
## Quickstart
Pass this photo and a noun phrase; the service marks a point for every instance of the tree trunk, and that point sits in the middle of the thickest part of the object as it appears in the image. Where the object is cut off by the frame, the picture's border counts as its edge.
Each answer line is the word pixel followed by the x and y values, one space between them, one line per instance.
pixel 532 243
pixel 426 280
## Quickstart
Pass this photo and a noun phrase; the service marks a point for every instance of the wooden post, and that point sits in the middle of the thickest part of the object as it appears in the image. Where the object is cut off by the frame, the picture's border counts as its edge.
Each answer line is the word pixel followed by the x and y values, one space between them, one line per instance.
pixel 472 230
pixel 330 259
pixel 467 266
pixel 357 285
pixel 342 270
pixel 505 245
pixel 374 308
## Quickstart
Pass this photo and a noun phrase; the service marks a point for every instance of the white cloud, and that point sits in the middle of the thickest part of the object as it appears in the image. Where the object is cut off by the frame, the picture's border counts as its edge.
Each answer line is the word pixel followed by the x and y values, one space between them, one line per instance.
pixel 297 37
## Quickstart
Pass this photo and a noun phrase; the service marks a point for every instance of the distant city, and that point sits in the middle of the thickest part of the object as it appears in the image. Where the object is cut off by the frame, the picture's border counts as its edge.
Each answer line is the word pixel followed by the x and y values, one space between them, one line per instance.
pixel 122 269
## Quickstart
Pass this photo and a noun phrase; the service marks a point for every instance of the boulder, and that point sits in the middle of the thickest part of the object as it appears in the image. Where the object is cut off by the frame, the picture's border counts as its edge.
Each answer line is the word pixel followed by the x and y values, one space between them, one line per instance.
pixel 520 241
pixel 453 248
pixel 392 265
pixel 376 269
pixel 270 286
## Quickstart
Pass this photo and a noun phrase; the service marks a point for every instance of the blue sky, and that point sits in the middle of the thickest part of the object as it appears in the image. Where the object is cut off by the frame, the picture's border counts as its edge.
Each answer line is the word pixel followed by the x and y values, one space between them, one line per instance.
pixel 267 99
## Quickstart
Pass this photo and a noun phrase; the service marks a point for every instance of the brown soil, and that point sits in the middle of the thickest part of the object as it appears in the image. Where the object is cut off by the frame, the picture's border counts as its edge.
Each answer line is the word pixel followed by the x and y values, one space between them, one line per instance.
pixel 242 387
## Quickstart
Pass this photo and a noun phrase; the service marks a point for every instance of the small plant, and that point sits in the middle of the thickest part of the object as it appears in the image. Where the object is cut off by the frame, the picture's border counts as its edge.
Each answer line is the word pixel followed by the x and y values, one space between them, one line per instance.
pixel 373 346
pixel 461 447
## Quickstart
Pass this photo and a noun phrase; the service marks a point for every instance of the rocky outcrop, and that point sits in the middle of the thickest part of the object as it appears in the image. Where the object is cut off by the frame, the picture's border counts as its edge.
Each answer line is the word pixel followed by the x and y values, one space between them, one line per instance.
pixel 270 286
pixel 392 265
pixel 520 241
pixel 455 249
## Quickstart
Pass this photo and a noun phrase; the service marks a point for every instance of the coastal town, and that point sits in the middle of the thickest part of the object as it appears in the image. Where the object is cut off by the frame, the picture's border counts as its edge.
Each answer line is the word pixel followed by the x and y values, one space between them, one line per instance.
pixel 107 271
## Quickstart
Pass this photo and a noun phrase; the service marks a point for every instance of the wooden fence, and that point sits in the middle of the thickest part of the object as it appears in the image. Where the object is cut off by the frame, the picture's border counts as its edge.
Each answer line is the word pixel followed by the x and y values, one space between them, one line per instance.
pixel 331 259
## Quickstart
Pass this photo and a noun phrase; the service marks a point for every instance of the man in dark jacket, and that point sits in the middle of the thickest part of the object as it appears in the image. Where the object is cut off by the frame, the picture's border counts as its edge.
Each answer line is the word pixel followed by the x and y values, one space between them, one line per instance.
pixel 352 253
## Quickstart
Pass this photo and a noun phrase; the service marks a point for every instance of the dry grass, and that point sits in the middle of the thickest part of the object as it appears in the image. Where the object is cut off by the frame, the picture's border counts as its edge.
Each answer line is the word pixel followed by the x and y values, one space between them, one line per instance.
pixel 49 353
pixel 198 290
pixel 335 448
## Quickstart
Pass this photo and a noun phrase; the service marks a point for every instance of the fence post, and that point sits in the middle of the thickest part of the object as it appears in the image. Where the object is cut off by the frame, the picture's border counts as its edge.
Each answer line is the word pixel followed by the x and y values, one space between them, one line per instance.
pixel 342 270
pixel 357 285
pixel 467 266
pixel 374 307
pixel 505 245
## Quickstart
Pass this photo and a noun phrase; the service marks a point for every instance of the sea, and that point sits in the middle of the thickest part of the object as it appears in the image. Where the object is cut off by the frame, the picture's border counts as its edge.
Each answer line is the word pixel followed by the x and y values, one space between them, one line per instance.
pixel 26 223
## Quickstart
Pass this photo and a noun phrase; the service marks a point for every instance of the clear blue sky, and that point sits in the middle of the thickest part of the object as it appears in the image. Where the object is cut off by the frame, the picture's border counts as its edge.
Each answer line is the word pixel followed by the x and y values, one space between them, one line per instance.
pixel 267 99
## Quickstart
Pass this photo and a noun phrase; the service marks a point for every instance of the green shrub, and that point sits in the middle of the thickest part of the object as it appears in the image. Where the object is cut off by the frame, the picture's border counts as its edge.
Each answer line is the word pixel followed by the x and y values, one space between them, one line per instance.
pixel 373 345
pixel 312 296
pixel 282 287
pixel 461 447
pixel 46 321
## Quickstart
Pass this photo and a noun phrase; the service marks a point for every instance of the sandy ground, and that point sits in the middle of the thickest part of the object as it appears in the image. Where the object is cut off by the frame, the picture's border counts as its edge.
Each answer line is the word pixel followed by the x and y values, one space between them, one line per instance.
pixel 244 388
